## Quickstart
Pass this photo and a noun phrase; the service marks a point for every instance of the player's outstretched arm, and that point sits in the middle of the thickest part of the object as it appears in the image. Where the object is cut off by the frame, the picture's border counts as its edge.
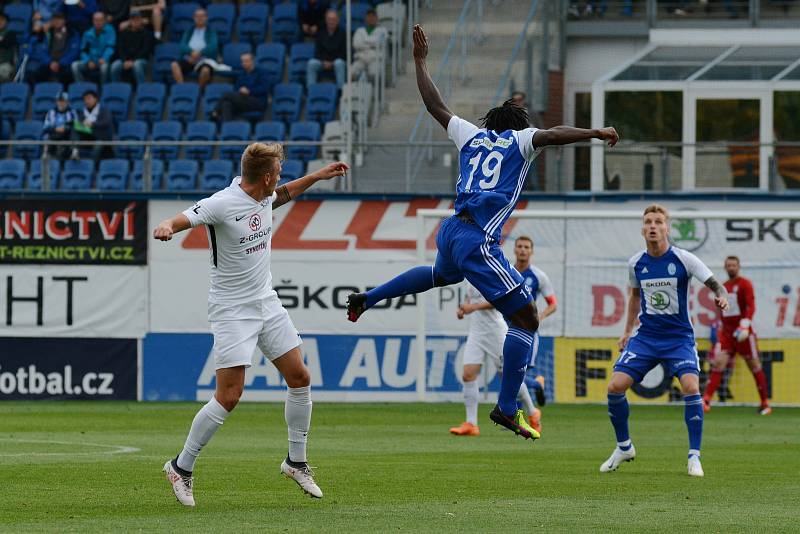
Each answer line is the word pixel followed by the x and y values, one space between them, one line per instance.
pixel 720 294
pixel 427 89
pixel 634 302
pixel 166 229
pixel 564 135
pixel 295 188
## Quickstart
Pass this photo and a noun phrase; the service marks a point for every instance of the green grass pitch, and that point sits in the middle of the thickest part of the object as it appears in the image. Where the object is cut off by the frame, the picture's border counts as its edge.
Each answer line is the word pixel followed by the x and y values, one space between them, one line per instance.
pixel 394 467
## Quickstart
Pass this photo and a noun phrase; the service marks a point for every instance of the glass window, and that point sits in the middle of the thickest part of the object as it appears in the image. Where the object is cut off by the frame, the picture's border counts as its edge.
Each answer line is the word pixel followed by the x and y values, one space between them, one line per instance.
pixel 786 109
pixel 720 161
pixel 671 63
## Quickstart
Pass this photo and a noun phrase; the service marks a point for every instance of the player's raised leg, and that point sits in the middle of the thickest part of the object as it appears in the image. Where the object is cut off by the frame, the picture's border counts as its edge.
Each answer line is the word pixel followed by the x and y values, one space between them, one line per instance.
pixel 693 415
pixel 619 411
pixel 471 393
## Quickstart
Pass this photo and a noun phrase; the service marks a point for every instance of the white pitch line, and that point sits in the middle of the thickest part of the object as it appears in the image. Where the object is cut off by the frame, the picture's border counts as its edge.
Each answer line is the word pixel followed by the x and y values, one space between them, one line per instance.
pixel 116 449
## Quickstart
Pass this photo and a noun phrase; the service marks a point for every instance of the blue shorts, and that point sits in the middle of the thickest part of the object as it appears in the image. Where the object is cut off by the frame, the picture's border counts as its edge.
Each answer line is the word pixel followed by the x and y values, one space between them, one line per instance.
pixel 642 354
pixel 466 251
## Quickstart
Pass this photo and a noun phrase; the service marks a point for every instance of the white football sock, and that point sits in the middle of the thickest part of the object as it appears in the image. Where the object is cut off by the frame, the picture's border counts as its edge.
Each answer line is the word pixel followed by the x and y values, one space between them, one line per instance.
pixel 298 421
pixel 525 397
pixel 205 423
pixel 471 401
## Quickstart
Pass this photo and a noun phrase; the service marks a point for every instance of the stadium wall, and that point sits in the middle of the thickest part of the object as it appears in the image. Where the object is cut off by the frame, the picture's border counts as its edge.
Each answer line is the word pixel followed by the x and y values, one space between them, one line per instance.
pixel 75 311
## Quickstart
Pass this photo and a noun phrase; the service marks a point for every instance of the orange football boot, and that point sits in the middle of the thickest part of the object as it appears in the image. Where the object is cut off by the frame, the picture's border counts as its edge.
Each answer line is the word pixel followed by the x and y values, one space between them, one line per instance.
pixel 465 429
pixel 535 420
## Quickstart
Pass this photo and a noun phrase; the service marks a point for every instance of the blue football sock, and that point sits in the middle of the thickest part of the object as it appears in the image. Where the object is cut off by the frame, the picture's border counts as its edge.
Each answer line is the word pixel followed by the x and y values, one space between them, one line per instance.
pixel 414 280
pixel 619 411
pixel 693 415
pixel 516 350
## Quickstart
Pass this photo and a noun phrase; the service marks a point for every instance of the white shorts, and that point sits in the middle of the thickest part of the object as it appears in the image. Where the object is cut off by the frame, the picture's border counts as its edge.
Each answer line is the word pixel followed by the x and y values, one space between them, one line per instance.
pixel 479 353
pixel 236 341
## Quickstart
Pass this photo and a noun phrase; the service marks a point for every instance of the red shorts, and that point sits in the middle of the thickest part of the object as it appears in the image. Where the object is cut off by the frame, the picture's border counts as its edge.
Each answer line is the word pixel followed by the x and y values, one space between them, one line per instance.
pixel 748 348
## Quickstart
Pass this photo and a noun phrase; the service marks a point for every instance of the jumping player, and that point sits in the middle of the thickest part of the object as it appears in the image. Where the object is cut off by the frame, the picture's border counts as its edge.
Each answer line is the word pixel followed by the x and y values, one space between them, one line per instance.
pixel 493 163
pixel 243 309
pixel 737 337
pixel 659 291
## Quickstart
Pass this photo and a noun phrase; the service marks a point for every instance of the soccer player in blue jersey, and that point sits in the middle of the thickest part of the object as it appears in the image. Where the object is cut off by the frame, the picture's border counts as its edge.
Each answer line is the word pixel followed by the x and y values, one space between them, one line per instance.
pixel 659 278
pixel 493 163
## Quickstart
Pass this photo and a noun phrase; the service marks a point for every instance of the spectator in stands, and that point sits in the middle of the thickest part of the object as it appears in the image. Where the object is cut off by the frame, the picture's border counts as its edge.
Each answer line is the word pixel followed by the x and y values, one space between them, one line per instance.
pixel 93 124
pixel 45 9
pixel 366 46
pixel 51 53
pixel 521 99
pixel 197 44
pixel 312 16
pixel 330 50
pixel 58 125
pixel 152 12
pixel 80 14
pixel 135 47
pixel 252 88
pixel 8 50
pixel 116 11
pixel 97 49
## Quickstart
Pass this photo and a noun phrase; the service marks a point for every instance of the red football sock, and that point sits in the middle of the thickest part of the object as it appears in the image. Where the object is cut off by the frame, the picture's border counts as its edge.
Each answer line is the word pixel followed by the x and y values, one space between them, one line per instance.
pixel 761 384
pixel 713 384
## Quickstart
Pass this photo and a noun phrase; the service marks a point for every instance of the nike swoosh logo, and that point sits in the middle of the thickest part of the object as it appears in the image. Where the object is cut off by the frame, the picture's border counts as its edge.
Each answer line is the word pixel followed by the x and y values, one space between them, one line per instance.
pixel 240 218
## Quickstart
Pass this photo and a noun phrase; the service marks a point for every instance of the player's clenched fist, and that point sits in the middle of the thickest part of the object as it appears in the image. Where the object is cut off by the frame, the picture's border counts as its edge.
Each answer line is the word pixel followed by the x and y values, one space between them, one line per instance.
pixel 163 231
pixel 721 302
pixel 332 170
pixel 609 134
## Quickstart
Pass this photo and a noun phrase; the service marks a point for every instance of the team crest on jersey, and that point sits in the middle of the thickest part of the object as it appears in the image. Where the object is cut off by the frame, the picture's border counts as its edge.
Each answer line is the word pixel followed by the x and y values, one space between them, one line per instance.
pixel 529 281
pixel 671 269
pixel 255 222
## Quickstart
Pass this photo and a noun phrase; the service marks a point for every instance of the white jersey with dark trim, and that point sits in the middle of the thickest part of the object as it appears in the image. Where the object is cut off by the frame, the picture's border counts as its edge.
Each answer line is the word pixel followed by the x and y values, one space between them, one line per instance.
pixel 486 325
pixel 240 237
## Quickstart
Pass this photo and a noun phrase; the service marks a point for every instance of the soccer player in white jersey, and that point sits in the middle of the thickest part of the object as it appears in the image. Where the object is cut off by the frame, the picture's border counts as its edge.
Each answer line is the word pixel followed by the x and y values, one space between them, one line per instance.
pixel 243 309
pixel 659 279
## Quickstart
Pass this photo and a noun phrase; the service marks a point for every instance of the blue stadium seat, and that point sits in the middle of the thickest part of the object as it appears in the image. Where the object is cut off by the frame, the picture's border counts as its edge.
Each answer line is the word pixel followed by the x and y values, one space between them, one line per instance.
pixel 234 131
pixel 136 177
pixel 35 174
pixel 12 173
pixel 181 18
pixel 182 175
pixel 117 98
pixel 14 100
pixel 285 23
pixel 303 131
pixel 77 174
pixel 220 19
pixel 212 94
pixel 19 20
pixel 75 93
pixel 217 174
pixel 131 131
pixel 200 131
pixel 358 12
pixel 286 101
pixel 163 56
pixel 232 52
pixel 292 169
pixel 299 55
pixel 270 131
pixel 27 131
pixel 251 26
pixel 270 58
pixel 183 99
pixel 112 175
pixel 166 131
pixel 44 98
pixel 321 102
pixel 149 102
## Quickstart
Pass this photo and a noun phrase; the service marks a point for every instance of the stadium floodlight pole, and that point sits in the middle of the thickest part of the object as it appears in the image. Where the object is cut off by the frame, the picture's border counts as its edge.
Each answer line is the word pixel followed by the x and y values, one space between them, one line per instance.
pixel 349 125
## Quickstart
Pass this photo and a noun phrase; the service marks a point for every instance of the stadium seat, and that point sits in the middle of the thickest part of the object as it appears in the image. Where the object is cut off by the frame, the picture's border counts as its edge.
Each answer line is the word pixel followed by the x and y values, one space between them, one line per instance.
pixel 232 52
pixel 286 101
pixel 19 19
pixel 285 24
pixel 117 98
pixel 270 131
pixel 35 174
pixel 358 12
pixel 299 55
pixel 323 185
pixel 75 93
pixel 211 96
pixel 183 99
pixel 27 131
pixel 303 131
pixel 136 181
pixel 163 56
pixel 356 100
pixel 251 26
pixel 131 131
pixel 14 100
pixel 220 19
pixel 200 131
pixel 270 58
pixel 181 18
pixel 321 102
pixel 182 175
pixel 217 174
pixel 332 140
pixel 233 131
pixel 149 102
pixel 44 98
pixel 112 175
pixel 391 16
pixel 12 173
pixel 292 169
pixel 166 131
pixel 76 175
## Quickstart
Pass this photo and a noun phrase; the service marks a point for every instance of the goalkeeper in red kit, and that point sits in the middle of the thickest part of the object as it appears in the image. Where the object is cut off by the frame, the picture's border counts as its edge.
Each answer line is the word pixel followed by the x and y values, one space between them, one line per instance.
pixel 737 337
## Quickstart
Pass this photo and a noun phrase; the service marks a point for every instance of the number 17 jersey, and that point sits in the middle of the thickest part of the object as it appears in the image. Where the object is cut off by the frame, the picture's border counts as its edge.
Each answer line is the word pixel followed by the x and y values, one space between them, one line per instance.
pixel 492 170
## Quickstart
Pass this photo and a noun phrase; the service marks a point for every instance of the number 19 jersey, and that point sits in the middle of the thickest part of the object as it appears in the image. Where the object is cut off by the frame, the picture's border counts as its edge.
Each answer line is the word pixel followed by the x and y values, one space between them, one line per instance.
pixel 492 170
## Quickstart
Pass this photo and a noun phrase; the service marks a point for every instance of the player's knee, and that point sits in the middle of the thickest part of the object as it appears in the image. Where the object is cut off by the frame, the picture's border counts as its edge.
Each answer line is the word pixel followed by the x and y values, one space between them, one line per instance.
pixel 469 376
pixel 229 397
pixel 690 388
pixel 298 378
pixel 616 388
pixel 526 318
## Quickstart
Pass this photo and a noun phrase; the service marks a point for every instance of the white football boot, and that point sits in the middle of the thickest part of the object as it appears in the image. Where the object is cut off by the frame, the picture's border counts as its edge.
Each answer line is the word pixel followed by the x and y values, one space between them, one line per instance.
pixel 616 458
pixel 182 486
pixel 304 477
pixel 694 467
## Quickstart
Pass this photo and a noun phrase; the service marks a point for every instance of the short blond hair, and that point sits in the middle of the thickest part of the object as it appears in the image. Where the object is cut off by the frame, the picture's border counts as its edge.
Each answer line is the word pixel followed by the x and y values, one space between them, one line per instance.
pixel 259 159
pixel 656 208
